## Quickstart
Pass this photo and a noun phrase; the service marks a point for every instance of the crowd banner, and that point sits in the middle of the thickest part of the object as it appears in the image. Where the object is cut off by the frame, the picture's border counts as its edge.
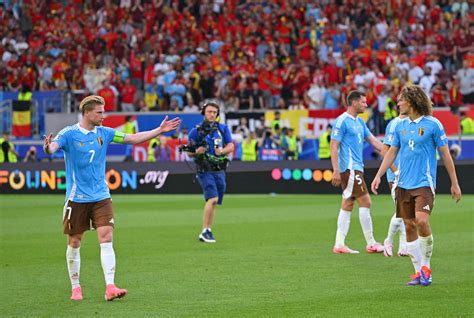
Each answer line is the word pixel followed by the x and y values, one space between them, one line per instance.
pixel 309 177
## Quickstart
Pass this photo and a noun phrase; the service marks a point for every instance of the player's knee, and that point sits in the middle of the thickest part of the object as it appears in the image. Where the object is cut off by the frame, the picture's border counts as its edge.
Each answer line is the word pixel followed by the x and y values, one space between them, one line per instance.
pixel 365 201
pixel 410 225
pixel 422 223
pixel 74 241
pixel 105 238
pixel 347 204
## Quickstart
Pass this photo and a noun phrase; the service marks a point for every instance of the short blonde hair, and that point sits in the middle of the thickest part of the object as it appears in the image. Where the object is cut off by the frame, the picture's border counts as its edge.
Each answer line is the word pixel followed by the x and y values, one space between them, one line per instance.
pixel 90 102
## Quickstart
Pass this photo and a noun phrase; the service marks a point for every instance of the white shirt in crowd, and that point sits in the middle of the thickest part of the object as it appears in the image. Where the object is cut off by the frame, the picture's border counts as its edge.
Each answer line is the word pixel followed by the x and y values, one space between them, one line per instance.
pixel 435 67
pixel 415 74
pixel 316 96
pixel 426 82
pixel 382 99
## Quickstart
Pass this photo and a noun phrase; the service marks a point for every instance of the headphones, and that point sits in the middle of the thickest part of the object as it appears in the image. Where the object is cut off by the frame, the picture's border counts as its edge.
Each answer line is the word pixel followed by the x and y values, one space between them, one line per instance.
pixel 210 102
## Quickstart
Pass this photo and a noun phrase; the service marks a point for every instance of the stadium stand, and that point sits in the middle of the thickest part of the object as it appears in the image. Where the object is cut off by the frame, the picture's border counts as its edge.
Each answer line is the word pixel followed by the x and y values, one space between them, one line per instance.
pixel 156 55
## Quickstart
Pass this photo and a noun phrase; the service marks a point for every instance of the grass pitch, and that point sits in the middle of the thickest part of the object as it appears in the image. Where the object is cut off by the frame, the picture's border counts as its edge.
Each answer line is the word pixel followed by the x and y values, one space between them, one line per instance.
pixel 272 258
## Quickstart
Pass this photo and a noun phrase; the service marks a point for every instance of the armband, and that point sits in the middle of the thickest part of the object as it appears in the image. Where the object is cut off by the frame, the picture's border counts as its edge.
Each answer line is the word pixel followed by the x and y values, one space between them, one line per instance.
pixel 119 137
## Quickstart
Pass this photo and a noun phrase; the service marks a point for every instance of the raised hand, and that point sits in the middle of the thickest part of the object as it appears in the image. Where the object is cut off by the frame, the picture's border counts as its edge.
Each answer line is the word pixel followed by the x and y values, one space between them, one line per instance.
pixel 47 142
pixel 168 125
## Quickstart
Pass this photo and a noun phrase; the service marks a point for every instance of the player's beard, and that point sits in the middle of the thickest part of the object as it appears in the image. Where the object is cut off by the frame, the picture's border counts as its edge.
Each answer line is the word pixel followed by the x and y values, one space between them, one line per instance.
pixel 97 123
pixel 361 110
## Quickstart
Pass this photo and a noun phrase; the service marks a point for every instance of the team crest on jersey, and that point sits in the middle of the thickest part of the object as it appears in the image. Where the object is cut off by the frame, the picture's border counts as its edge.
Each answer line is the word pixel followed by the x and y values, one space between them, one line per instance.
pixel 81 144
pixel 421 131
pixel 403 132
pixel 99 140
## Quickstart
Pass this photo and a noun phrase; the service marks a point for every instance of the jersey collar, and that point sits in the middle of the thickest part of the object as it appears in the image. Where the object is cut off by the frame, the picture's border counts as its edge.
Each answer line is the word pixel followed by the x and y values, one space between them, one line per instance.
pixel 350 116
pixel 85 131
pixel 416 121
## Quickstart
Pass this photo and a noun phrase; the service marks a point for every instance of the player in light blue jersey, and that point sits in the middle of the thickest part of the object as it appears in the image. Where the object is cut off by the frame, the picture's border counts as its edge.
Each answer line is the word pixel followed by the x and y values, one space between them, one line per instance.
pixel 396 224
pixel 347 144
pixel 87 196
pixel 415 141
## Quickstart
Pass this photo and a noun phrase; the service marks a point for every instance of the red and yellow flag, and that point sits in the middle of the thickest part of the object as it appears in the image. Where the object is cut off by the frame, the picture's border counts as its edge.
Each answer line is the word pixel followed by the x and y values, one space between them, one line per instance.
pixel 21 119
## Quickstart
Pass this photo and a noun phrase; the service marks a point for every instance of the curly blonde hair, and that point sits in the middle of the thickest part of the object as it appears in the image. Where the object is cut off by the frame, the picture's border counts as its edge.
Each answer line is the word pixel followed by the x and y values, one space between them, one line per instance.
pixel 90 102
pixel 417 98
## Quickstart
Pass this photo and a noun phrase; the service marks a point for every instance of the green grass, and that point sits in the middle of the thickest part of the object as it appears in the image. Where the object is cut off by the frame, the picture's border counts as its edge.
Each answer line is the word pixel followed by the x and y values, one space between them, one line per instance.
pixel 273 258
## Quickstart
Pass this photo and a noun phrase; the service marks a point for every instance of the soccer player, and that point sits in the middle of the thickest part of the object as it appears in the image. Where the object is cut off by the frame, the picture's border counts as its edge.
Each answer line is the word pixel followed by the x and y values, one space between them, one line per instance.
pixel 347 143
pixel 87 195
pixel 211 143
pixel 415 139
pixel 396 224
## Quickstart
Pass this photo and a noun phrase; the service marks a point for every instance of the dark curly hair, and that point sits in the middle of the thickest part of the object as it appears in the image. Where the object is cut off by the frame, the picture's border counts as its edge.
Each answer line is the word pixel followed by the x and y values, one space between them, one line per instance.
pixel 417 98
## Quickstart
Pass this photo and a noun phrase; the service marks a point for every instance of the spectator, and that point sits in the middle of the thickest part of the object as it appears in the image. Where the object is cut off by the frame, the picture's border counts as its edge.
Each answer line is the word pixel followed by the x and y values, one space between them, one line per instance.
pixel 110 94
pixel 162 151
pixel 315 95
pixel 128 92
pixel 129 39
pixel 256 98
pixel 250 147
pixel 243 96
pixel 467 124
pixel 331 97
pixel 191 107
pixel 427 81
pixel 30 155
pixel 415 72
pixel 466 81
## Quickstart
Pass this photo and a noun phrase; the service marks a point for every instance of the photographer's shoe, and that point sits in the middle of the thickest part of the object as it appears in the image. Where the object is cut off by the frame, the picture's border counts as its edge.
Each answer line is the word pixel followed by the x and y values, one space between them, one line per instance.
pixel 207 237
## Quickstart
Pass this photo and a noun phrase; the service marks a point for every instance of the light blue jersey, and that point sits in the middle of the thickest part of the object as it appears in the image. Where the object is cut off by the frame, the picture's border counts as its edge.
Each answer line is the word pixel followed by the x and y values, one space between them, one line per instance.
pixel 388 139
pixel 84 156
pixel 350 132
pixel 417 142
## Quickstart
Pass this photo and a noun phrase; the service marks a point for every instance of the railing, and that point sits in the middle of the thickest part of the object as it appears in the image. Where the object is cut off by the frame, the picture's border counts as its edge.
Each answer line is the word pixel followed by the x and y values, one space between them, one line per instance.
pixel 42 103
pixel 6 116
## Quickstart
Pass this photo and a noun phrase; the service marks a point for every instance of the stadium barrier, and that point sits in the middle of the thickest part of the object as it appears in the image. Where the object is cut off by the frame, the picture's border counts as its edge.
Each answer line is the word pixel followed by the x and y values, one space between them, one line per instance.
pixel 178 177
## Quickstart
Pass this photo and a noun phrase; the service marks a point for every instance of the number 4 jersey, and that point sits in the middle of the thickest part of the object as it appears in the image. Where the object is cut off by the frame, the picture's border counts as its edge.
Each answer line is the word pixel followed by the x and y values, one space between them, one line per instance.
pixel 417 142
pixel 350 132
pixel 84 155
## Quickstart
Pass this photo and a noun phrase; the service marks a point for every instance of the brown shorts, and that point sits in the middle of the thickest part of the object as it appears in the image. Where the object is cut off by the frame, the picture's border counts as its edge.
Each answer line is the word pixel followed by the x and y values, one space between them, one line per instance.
pixel 77 217
pixel 353 184
pixel 415 200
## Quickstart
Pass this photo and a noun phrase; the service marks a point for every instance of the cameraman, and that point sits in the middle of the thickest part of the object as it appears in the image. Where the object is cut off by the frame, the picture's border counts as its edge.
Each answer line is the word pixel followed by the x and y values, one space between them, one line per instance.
pixel 209 145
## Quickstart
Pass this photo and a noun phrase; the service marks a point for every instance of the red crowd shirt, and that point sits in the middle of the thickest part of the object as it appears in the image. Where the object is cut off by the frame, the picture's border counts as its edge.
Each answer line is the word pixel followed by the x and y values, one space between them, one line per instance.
pixel 109 97
pixel 128 94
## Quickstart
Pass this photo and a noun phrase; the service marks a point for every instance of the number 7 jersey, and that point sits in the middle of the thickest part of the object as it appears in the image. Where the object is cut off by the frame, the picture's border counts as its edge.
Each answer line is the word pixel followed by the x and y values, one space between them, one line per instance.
pixel 84 155
pixel 417 142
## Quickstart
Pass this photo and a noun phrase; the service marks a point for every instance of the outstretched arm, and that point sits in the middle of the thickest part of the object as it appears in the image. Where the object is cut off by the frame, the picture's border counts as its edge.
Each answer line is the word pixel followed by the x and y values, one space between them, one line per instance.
pixel 448 163
pixel 166 125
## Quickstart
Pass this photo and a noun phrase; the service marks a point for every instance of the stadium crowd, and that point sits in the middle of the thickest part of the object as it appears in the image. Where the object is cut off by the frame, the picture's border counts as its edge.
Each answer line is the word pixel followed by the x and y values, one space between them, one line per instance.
pixel 169 55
